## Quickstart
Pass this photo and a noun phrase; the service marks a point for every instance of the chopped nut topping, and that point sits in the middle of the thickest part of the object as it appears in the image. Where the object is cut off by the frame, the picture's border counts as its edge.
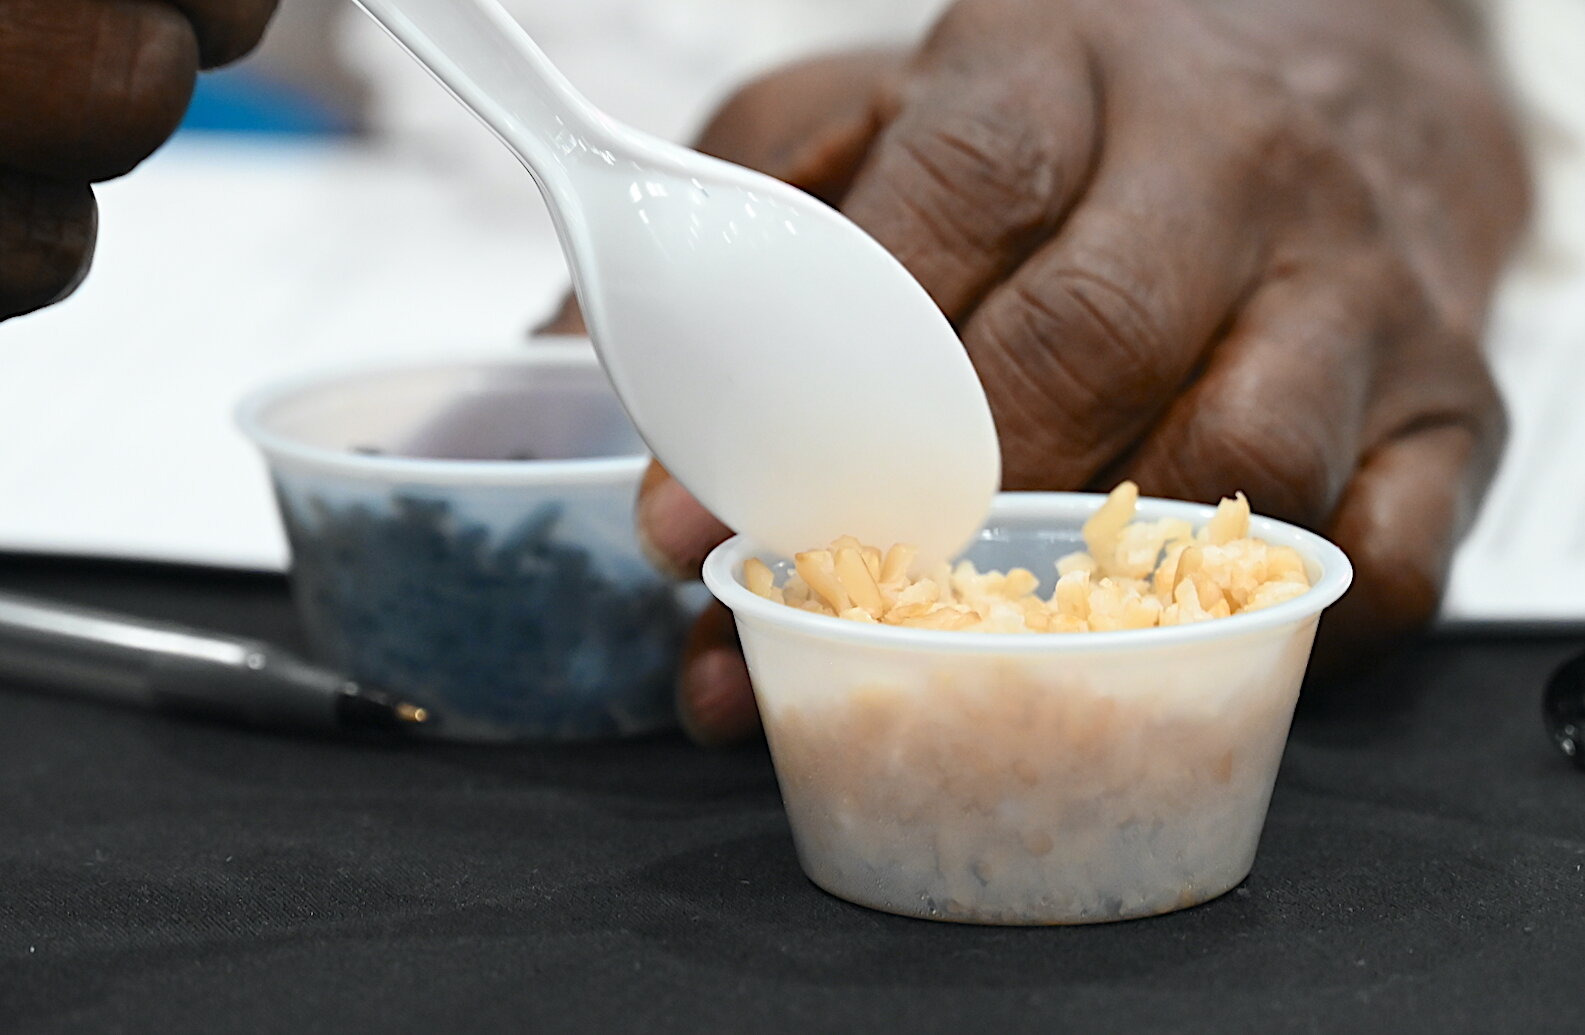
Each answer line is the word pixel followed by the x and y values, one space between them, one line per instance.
pixel 1133 575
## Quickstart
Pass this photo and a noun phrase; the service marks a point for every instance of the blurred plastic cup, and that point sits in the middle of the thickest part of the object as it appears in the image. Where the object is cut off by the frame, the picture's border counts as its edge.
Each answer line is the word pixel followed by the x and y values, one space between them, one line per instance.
pixel 462 534
pixel 1042 778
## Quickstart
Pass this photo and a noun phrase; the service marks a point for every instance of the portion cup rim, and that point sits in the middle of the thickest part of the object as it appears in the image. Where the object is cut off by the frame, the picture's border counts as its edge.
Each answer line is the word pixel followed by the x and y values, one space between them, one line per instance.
pixel 573 353
pixel 722 567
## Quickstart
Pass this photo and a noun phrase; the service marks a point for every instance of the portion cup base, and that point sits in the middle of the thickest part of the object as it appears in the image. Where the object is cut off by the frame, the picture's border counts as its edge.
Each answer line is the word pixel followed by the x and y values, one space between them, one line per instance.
pixel 928 910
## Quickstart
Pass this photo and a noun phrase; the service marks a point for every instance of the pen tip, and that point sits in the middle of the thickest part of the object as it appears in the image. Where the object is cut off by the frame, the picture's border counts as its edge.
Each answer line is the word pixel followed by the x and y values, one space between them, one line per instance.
pixel 369 708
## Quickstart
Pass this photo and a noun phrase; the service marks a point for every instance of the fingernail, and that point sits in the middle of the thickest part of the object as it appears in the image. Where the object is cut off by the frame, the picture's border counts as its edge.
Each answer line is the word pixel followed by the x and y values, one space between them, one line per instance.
pixel 715 701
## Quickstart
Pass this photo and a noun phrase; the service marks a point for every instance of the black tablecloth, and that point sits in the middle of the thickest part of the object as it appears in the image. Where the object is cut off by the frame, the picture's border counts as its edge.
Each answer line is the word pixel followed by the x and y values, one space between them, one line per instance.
pixel 1423 869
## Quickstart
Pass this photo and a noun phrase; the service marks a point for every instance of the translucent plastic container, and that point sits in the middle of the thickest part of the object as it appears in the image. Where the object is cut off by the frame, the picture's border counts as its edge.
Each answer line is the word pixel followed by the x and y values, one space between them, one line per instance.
pixel 1029 778
pixel 462 534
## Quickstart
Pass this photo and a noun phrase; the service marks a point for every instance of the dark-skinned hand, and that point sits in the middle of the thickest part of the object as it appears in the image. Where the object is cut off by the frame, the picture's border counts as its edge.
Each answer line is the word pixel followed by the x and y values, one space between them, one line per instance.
pixel 88 89
pixel 1210 245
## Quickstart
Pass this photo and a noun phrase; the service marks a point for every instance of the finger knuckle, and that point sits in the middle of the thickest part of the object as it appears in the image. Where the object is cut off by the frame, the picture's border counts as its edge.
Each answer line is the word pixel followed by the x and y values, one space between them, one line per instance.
pixel 991 158
pixel 1026 370
pixel 1291 156
pixel 1284 149
pixel 1382 274
pixel 1329 195
pixel 1374 280
pixel 741 129
pixel 1049 401
pixel 1261 125
pixel 1071 363
pixel 1283 464
pixel 1105 317
pixel 753 100
pixel 807 123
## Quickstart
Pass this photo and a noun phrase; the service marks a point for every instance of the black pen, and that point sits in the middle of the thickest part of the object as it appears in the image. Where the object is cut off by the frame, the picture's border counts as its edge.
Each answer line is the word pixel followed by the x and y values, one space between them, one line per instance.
pixel 164 667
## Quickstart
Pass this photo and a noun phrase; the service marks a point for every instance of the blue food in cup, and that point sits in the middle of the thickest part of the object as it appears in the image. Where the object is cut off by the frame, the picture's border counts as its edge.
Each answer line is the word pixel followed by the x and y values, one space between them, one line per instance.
pixel 530 631
pixel 462 531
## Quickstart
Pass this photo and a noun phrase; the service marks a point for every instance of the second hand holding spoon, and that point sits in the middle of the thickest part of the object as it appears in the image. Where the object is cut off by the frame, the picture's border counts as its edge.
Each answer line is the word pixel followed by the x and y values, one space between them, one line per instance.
pixel 786 368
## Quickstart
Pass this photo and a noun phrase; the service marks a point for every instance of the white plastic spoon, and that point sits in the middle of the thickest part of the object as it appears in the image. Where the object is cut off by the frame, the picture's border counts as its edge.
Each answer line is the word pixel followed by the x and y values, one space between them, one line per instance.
pixel 782 364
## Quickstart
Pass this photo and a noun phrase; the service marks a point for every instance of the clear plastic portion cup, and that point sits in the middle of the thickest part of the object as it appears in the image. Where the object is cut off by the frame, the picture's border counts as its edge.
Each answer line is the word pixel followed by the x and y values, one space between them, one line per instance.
pixel 1041 778
pixel 462 534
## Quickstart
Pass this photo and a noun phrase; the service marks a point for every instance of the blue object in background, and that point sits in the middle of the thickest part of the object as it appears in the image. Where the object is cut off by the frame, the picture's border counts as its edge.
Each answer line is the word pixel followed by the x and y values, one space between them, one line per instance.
pixel 236 101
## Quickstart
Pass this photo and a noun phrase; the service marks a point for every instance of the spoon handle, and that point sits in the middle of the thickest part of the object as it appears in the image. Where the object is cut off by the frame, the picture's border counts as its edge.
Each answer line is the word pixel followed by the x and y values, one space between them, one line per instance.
pixel 485 60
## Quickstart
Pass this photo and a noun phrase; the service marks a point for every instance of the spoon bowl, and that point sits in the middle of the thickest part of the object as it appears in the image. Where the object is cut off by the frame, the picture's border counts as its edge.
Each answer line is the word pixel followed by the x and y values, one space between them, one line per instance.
pixel 784 366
